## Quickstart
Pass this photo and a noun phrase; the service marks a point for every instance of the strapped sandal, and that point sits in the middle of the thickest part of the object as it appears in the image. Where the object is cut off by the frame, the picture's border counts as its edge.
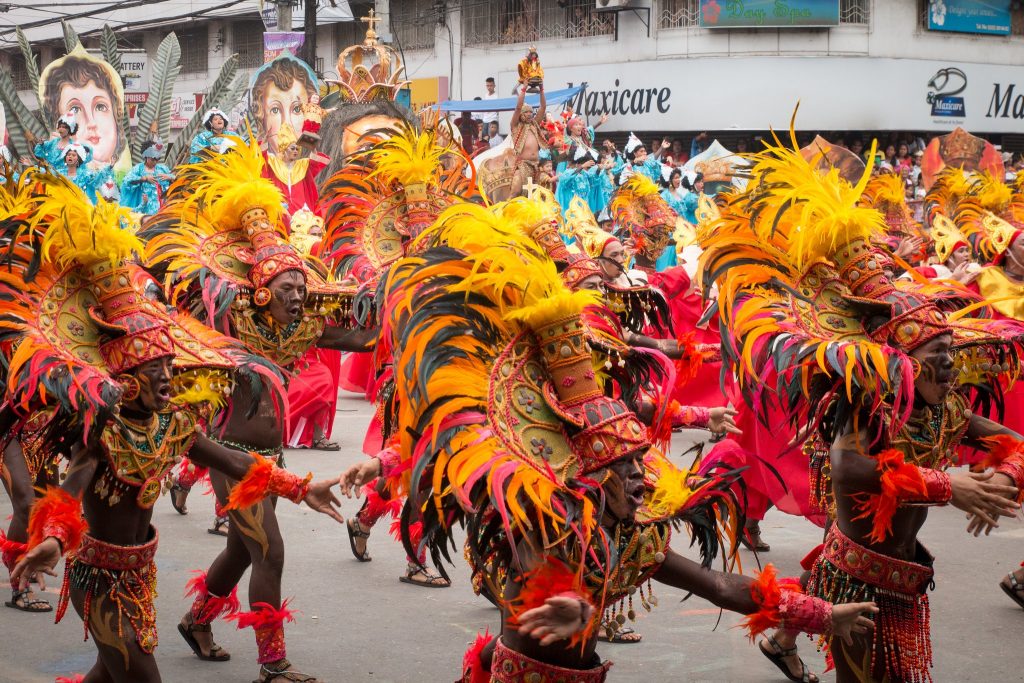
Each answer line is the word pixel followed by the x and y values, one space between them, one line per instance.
pixel 780 654
pixel 432 580
pixel 282 671
pixel 613 632
pixel 321 443
pixel 178 490
pixel 216 653
pixel 353 534
pixel 23 601
pixel 1015 591
pixel 219 527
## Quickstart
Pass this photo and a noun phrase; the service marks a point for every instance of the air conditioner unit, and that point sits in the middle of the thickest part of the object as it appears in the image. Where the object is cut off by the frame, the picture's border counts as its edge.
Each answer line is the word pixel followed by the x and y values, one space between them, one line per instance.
pixel 611 5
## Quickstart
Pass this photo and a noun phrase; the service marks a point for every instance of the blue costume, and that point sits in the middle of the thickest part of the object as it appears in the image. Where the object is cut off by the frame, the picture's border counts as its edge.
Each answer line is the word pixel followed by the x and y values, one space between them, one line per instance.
pixel 592 185
pixel 138 193
pixel 651 167
pixel 674 200
pixel 689 212
pixel 204 140
pixel 50 152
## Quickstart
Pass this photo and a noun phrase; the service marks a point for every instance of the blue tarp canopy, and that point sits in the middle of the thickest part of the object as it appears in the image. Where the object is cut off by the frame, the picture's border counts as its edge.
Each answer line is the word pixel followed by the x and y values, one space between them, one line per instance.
pixel 509 103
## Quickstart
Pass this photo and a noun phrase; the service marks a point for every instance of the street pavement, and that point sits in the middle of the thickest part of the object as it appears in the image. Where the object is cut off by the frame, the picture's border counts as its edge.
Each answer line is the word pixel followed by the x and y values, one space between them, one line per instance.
pixel 356 621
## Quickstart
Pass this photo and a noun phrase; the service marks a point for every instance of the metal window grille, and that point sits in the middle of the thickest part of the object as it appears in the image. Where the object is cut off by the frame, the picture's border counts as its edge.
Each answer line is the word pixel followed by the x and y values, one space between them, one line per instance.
pixel 855 12
pixel 19 74
pixel 247 43
pixel 678 13
pixel 413 23
pixel 506 22
pixel 195 49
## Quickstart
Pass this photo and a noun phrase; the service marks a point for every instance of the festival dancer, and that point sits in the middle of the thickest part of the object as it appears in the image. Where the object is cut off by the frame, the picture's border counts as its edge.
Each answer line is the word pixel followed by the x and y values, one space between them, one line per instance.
pixel 82 341
pixel 567 512
pixel 586 177
pixel 52 151
pixel 528 140
pixel 293 175
pixel 381 203
pixel 146 183
pixel 221 242
pixel 216 136
pixel 798 277
pixel 638 161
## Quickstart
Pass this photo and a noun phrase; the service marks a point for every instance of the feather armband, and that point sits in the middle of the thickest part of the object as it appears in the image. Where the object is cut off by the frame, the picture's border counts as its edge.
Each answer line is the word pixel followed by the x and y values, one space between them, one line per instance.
pixel 59 515
pixel 263 479
pixel 553 578
pixel 900 482
pixel 1006 454
pixel 782 604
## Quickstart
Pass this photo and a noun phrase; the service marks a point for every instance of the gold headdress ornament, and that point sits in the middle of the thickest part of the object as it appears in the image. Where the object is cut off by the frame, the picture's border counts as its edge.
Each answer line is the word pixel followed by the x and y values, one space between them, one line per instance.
pixel 581 224
pixel 644 215
pixel 946 238
pixel 369 71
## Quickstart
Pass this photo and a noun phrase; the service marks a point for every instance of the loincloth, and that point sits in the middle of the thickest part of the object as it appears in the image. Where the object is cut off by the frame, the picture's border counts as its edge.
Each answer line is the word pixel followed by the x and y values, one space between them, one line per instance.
pixel 847 572
pixel 124 575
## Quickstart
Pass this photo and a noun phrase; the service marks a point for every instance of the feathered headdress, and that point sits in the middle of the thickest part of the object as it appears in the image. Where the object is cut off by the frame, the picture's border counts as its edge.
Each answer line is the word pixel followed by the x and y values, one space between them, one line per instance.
pixel 644 215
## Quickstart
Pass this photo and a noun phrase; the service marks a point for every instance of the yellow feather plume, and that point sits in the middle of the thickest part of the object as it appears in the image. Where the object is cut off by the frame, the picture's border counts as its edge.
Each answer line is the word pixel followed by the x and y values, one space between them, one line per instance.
pixel 409 158
pixel 230 184
pixel 75 230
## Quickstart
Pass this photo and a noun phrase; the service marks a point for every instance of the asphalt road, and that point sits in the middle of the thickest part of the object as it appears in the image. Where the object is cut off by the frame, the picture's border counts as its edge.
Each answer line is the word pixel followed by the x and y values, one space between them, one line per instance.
pixel 358 623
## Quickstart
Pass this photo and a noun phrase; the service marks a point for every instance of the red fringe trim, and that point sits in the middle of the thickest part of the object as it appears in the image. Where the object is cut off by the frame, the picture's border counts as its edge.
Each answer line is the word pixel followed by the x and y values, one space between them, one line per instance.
pixel 766 591
pixel 1000 447
pixel 898 480
pixel 73 678
pixel 9 546
pixel 551 578
pixel 215 605
pixel 473 669
pixel 415 532
pixel 254 486
pixel 57 510
pixel 264 615
pixel 378 506
pixel 691 361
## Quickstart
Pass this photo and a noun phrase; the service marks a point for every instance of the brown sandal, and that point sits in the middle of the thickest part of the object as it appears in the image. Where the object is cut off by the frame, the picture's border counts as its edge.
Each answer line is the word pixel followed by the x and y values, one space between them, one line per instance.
pixel 1015 591
pixel 23 601
pixel 176 491
pixel 216 653
pixel 779 654
pixel 431 580
pixel 613 632
pixel 220 526
pixel 282 671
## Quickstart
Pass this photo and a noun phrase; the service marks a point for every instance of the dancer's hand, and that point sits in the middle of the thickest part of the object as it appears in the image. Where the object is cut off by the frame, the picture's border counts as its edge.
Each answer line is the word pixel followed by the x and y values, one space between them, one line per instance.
pixel 965 274
pixel 977 525
pixel 977 494
pixel 721 420
pixel 356 476
pixel 39 561
pixel 320 498
pixel 852 618
pixel 557 619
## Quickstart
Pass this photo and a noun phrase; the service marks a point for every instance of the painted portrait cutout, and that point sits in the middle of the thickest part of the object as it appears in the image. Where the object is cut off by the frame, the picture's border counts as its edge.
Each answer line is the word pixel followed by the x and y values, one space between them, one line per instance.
pixel 850 166
pixel 960 149
pixel 277 92
pixel 91 90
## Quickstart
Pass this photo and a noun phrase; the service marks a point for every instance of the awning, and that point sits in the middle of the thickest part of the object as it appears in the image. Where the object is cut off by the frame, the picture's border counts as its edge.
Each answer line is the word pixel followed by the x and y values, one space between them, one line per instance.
pixel 509 103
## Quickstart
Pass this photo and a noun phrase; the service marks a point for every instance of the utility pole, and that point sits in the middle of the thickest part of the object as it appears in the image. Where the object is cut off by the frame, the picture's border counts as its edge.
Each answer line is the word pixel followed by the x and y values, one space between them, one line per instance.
pixel 309 27
pixel 284 15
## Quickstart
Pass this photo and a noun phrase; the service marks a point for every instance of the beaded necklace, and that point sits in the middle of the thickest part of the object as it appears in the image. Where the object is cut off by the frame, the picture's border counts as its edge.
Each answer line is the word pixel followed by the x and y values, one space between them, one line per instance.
pixel 282 345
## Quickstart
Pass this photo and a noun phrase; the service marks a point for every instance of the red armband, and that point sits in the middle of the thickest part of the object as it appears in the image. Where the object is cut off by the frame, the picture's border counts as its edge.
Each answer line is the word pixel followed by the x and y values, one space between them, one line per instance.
pixel 551 578
pixel 696 417
pixel 782 603
pixel 938 490
pixel 389 459
pixel 59 515
pixel 264 479
pixel 900 482
pixel 1006 455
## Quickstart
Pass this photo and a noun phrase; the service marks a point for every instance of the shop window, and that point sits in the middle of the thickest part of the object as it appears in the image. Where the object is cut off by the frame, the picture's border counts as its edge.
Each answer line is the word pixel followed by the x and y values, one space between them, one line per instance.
pixel 413 23
pixel 195 49
pixel 678 13
pixel 247 43
pixel 856 12
pixel 507 22
pixel 19 74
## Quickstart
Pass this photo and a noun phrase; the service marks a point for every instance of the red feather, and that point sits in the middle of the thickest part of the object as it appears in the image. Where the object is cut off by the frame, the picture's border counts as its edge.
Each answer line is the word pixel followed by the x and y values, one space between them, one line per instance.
pixel 254 486
pixel 766 591
pixel 377 506
pixel 552 577
pixel 898 480
pixel 1001 447
pixel 57 508
pixel 691 361
pixel 473 669
pixel 215 604
pixel 264 615
pixel 73 678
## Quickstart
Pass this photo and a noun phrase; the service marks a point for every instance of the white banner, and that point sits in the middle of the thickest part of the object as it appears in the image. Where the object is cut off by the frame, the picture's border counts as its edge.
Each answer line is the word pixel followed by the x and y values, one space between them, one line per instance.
pixel 835 93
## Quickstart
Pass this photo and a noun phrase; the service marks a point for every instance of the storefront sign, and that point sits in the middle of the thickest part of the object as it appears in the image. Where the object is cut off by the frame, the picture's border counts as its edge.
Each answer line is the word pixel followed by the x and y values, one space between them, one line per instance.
pixel 183 107
pixel 274 43
pixel 969 16
pixel 915 95
pixel 768 13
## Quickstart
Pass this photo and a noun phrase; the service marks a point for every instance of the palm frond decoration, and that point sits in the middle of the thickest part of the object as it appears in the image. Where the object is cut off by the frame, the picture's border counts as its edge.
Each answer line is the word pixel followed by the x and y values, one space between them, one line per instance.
pixel 70 37
pixel 32 68
pixel 112 55
pixel 19 118
pixel 165 71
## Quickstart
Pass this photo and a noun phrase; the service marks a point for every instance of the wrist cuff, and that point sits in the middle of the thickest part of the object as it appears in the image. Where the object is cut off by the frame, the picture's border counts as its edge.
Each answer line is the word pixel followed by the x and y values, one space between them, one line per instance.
pixel 263 479
pixel 59 515
pixel 1013 467
pixel 938 490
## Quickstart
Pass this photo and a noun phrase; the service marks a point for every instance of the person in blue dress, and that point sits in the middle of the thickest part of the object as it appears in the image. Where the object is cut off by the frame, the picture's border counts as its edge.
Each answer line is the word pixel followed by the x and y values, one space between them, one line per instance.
pixel 144 186
pixel 51 152
pixel 216 124
pixel 583 177
pixel 690 200
pixel 74 168
pixel 639 161
pixel 674 192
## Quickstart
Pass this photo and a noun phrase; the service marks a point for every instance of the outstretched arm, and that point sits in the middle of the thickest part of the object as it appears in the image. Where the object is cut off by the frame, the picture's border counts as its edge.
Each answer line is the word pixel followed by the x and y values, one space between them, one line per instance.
pixel 341 339
pixel 519 107
pixel 542 111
